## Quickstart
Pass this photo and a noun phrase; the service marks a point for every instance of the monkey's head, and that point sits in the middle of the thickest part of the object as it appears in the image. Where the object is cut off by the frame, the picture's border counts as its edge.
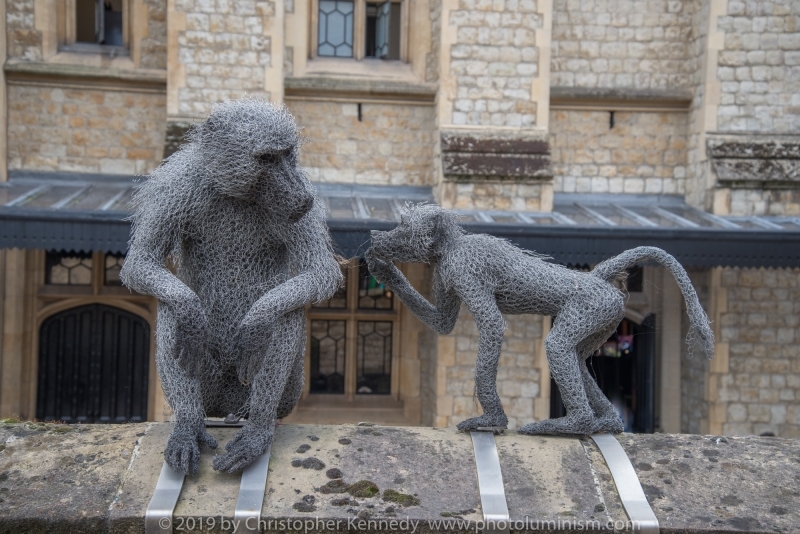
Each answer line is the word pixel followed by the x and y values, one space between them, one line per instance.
pixel 249 148
pixel 423 232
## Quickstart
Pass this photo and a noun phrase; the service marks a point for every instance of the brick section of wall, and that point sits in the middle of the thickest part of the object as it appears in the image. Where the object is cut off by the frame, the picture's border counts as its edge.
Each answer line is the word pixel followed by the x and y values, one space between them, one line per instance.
pixel 494 61
pixel 762 328
pixel 760 67
pixel 518 379
pixel 81 130
pixel 642 153
pixel 24 41
pixel 154 47
pixel 622 43
pixel 495 195
pixel 392 144
pixel 224 52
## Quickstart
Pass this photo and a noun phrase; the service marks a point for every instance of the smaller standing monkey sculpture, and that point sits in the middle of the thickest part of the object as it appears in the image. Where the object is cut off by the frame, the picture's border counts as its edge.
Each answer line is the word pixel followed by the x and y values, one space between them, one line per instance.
pixel 246 233
pixel 493 277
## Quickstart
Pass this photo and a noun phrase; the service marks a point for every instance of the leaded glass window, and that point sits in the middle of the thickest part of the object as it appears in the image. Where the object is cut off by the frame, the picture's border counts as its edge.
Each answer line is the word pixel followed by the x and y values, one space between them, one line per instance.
pixel 68 268
pixel 374 357
pixel 328 344
pixel 113 266
pixel 335 28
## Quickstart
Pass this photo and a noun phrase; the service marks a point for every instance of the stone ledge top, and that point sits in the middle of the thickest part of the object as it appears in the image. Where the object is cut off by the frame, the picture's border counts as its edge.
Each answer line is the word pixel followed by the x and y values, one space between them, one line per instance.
pixel 99 478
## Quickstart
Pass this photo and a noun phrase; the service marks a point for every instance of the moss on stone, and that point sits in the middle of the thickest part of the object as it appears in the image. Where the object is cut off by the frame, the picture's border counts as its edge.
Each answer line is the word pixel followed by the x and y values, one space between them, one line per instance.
pixel 403 499
pixel 363 489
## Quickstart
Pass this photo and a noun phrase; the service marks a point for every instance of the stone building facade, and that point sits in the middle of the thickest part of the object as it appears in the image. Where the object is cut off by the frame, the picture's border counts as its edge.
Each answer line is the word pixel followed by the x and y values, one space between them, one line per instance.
pixel 501 106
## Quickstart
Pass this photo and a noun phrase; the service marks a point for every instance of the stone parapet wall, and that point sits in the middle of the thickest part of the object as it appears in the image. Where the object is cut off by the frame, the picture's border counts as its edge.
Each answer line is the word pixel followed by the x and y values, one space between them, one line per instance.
pixel 622 44
pixel 85 130
pixel 388 144
pixel 644 152
pixel 100 478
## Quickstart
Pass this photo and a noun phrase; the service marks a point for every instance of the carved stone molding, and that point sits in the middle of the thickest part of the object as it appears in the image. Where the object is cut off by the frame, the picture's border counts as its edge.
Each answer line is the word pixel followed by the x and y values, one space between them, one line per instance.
pixel 755 161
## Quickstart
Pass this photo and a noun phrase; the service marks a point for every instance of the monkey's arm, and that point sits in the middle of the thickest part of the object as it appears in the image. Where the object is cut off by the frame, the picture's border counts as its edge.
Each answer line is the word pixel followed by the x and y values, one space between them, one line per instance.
pixel 482 304
pixel 155 233
pixel 442 317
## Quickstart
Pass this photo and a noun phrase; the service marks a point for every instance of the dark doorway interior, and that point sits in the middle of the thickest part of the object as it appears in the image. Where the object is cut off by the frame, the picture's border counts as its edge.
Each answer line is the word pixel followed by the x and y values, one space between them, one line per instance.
pixel 93 366
pixel 625 372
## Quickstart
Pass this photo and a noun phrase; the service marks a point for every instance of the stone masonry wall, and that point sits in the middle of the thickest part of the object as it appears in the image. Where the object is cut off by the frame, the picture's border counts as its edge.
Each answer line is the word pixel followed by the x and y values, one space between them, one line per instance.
pixel 696 158
pixel 642 153
pixel 154 47
pixel 762 327
pixel 224 52
pixel 496 195
pixel 760 67
pixel 765 202
pixel 494 61
pixel 518 379
pixel 24 40
pixel 391 144
pixel 82 130
pixel 622 43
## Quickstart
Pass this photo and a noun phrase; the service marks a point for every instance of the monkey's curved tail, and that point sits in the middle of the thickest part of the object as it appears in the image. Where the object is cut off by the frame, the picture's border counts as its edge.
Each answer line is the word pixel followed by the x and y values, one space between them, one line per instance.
pixel 700 329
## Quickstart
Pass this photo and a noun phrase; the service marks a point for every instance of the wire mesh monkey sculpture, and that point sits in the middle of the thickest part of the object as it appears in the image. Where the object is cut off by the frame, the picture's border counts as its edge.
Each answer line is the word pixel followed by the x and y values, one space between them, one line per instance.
pixel 493 277
pixel 245 230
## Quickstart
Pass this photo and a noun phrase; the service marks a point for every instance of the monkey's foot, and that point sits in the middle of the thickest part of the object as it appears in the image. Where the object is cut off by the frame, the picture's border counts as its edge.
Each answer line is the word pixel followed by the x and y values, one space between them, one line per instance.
pixel 563 425
pixel 610 424
pixel 183 451
pixel 247 445
pixel 483 421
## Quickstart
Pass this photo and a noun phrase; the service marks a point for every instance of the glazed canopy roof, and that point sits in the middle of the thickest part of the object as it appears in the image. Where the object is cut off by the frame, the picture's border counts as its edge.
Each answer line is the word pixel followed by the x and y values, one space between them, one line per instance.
pixel 84 212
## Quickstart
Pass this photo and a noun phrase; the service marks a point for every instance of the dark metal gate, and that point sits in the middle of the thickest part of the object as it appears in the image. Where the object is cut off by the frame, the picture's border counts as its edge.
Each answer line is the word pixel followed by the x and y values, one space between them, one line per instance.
pixel 93 366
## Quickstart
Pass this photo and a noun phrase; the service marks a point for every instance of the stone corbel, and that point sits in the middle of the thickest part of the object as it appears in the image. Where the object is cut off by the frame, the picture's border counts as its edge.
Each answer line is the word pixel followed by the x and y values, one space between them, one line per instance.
pixel 755 161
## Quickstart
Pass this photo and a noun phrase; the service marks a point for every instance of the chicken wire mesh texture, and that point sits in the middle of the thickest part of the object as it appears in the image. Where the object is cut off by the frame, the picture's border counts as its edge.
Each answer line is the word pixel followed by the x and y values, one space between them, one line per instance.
pixel 492 277
pixel 245 232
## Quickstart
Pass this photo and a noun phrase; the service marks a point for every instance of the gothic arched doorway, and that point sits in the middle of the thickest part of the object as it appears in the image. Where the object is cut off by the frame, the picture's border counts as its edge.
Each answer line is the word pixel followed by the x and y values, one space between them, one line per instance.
pixel 93 366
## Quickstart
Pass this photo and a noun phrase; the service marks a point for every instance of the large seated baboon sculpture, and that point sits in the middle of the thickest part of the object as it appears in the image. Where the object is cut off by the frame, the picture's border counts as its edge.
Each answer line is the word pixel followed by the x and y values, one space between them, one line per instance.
pixel 493 277
pixel 244 229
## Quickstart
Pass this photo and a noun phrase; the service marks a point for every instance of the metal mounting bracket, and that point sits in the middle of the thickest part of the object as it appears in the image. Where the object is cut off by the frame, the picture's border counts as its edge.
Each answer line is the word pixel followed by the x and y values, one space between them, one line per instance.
pixel 628 486
pixel 490 483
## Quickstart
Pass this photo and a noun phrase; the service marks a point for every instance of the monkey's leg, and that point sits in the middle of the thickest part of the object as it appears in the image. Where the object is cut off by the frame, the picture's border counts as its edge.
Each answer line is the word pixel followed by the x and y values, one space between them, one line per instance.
pixel 606 416
pixel 294 386
pixel 562 356
pixel 184 396
pixel 266 391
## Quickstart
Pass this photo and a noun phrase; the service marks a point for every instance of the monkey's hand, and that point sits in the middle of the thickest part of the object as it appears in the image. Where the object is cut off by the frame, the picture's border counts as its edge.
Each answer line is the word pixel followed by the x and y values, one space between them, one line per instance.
pixel 192 333
pixel 183 446
pixel 247 445
pixel 385 272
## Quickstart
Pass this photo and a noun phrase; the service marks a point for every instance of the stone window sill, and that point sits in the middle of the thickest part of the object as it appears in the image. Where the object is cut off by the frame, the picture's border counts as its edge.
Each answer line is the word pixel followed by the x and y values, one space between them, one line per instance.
pixel 367 79
pixel 88 70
